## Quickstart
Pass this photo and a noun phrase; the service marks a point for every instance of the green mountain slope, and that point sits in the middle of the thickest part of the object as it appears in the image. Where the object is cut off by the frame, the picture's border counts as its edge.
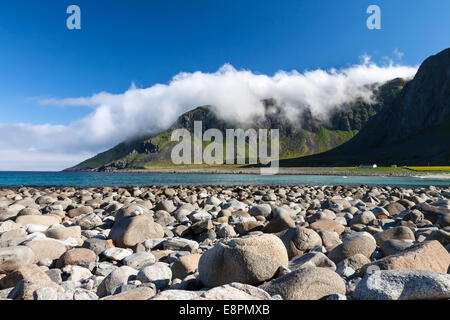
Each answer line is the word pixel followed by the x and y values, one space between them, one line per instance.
pixel 307 135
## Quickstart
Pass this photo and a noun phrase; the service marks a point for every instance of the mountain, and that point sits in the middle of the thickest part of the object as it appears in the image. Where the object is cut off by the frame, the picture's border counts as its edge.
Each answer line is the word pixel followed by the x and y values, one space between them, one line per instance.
pixel 413 129
pixel 306 135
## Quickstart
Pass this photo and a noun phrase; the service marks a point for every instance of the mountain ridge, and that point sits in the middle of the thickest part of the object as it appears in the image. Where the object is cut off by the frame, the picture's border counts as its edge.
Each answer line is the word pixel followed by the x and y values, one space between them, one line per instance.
pixel 413 130
pixel 308 135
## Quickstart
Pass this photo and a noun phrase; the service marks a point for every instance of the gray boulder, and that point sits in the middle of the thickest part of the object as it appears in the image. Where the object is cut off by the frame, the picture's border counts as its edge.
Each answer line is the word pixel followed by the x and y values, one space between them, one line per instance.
pixel 159 273
pixel 394 246
pixel 306 284
pixel 261 210
pixel 403 285
pixel 249 260
pixel 398 233
pixel 12 258
pixel 114 279
pixel 131 230
pixel 280 221
pixel 359 242
pixel 299 240
pixel 139 260
pixel 311 259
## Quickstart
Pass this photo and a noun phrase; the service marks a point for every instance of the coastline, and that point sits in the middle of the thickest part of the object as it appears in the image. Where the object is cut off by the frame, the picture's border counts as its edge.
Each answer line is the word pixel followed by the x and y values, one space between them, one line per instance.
pixel 286 171
pixel 210 177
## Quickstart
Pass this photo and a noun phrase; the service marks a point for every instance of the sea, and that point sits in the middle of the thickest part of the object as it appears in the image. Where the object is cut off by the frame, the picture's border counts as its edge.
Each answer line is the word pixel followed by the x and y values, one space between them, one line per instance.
pixel 98 179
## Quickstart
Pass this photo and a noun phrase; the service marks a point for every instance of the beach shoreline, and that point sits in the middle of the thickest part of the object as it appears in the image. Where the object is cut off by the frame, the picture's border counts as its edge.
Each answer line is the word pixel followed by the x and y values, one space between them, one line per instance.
pixel 287 171
pixel 198 177
pixel 163 243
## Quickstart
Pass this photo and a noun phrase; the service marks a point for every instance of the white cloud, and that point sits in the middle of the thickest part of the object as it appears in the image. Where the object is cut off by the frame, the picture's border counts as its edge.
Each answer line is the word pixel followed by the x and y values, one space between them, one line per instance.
pixel 235 94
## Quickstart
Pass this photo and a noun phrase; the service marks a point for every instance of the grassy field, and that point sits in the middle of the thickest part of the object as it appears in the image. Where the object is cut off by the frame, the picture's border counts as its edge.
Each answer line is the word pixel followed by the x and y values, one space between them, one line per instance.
pixel 391 170
pixel 411 170
pixel 379 169
pixel 431 169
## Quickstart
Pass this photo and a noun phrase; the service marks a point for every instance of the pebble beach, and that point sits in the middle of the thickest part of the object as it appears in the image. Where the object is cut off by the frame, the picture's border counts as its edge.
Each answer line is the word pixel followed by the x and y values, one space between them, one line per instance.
pixel 225 243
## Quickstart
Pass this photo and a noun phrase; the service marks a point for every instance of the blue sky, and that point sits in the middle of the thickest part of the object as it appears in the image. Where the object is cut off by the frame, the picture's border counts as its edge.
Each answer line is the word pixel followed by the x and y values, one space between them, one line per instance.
pixel 148 42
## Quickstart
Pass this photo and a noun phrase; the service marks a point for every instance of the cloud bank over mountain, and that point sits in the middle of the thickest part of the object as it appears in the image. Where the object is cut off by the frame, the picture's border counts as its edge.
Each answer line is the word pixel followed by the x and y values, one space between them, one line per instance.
pixel 235 94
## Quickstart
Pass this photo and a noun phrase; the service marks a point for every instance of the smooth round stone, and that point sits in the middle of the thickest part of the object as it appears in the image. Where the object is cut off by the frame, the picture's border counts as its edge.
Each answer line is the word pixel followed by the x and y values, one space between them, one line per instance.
pixel 71 242
pixel 117 254
pixel 185 265
pixel 63 233
pixel 77 256
pixel 29 211
pixel 280 221
pixel 403 285
pixel 311 259
pixel 224 230
pixel 131 230
pixel 345 271
pixel 77 273
pixel 139 260
pixel 45 294
pixel 393 246
pixel 83 294
pixel 15 234
pixel 114 279
pixel 152 243
pixel 396 233
pixel 359 242
pixel 12 258
pixel 104 268
pixel 261 210
pixel 299 240
pixel 251 260
pixel 159 273
pixel 96 245
pixel 364 218
pixel 46 248
pixel 341 220
pixel 89 233
pixel 310 283
pixel 35 236
pixel 8 225
pixel 355 261
pixel 46 220
pixel 32 228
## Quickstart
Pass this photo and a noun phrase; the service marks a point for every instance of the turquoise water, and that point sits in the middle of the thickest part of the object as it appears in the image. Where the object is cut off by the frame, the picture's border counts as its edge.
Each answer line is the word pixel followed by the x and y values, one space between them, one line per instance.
pixel 94 179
